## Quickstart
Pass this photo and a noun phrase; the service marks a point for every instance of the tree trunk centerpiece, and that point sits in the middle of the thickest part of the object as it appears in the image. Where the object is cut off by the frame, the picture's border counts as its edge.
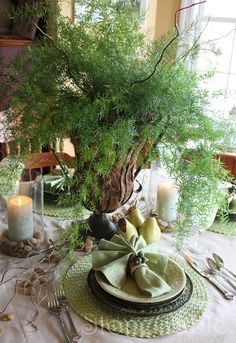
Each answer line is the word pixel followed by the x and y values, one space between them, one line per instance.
pixel 116 188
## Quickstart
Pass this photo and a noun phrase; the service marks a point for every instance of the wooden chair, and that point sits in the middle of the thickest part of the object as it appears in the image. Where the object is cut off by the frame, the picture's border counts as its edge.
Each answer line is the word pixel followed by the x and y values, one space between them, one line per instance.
pixel 228 159
pixel 4 151
pixel 45 162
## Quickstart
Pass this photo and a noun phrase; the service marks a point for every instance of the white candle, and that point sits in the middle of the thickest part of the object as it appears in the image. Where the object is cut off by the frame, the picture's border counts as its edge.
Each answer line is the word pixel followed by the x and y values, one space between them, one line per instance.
pixel 167 199
pixel 20 218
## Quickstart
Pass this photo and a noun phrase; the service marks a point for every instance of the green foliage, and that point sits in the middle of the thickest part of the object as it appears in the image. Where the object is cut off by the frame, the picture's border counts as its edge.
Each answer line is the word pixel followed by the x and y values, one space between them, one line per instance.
pixel 89 84
pixel 29 9
pixel 10 173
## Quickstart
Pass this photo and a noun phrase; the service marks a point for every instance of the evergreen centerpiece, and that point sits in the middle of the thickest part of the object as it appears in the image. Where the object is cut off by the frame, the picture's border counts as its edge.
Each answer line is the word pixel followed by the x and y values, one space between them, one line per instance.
pixel 119 99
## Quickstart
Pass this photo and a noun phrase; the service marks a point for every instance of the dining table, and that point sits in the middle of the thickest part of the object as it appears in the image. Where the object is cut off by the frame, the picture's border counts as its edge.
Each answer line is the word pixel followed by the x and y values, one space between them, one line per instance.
pixel 216 324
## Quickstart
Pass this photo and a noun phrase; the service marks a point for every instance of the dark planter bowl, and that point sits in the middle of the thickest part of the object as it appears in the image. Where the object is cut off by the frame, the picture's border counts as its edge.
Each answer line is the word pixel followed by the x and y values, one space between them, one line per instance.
pixel 101 226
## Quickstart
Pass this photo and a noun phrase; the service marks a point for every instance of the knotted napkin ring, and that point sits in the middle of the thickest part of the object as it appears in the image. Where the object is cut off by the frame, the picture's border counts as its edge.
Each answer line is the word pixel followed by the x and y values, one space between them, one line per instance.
pixel 136 261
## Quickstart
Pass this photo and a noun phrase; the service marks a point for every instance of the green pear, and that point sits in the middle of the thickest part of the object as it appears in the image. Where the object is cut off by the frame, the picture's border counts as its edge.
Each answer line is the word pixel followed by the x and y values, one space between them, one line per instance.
pixel 135 217
pixel 232 205
pixel 150 230
pixel 126 229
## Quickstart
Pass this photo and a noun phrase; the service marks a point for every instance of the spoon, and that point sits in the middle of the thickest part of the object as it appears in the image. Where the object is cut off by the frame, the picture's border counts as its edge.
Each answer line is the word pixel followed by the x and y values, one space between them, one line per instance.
pixel 220 264
pixel 215 269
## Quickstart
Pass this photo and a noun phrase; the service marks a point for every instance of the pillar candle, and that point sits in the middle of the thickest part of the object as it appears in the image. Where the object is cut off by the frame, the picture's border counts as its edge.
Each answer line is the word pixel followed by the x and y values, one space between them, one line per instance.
pixel 167 198
pixel 20 218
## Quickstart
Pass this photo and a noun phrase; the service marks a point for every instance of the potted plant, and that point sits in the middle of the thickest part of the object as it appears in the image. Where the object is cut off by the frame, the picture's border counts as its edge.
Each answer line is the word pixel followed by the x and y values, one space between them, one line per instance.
pixel 5 21
pixel 122 101
pixel 25 14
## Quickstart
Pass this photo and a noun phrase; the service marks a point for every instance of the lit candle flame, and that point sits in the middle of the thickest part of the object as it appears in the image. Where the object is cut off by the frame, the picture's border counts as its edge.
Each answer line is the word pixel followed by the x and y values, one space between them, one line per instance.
pixel 19 201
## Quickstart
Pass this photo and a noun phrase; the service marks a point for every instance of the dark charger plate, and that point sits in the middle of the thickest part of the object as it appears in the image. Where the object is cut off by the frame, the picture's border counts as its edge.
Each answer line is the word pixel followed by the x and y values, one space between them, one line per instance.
pixel 132 308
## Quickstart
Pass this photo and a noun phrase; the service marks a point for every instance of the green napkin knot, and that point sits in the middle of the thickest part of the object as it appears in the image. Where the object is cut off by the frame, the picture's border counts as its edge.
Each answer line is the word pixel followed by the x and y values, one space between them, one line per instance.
pixel 118 259
pixel 135 261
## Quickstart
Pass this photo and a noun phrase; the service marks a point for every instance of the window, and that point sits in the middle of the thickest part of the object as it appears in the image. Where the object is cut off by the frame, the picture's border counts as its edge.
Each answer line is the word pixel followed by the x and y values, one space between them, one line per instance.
pixel 141 6
pixel 218 22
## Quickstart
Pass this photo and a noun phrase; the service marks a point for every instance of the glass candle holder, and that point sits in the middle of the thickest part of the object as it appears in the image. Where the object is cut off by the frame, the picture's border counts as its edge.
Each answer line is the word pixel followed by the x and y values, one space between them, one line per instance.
pixel 20 218
pixel 24 233
pixel 167 199
pixel 194 245
pixel 152 187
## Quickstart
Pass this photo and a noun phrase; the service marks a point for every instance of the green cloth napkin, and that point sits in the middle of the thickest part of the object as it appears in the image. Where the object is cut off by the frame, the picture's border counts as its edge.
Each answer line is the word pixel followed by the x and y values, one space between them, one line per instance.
pixel 112 258
pixel 53 183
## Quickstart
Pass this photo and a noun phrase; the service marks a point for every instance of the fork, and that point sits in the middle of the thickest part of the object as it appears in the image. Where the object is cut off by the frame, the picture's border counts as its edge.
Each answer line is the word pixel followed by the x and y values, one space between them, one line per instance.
pixel 60 293
pixel 55 308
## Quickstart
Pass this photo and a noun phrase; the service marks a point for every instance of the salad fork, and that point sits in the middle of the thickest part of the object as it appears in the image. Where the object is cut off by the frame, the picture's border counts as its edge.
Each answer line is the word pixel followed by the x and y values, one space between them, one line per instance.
pixel 60 293
pixel 55 309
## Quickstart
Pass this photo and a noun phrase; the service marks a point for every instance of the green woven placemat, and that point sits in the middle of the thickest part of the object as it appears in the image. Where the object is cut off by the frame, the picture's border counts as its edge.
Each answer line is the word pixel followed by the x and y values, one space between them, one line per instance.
pixel 65 212
pixel 227 229
pixel 55 210
pixel 85 304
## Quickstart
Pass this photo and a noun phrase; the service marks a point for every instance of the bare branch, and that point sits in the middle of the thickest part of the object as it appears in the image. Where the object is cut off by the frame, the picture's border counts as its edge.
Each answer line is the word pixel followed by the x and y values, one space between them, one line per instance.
pixel 185 54
pixel 3 275
pixel 72 75
pixel 14 294
pixel 168 45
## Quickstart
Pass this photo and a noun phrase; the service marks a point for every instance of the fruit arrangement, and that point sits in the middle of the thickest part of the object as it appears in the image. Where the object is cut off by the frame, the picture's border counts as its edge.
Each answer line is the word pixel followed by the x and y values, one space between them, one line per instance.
pixel 135 224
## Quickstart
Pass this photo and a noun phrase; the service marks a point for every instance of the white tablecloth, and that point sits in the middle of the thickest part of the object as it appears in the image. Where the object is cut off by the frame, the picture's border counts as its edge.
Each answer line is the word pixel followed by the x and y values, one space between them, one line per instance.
pixel 217 325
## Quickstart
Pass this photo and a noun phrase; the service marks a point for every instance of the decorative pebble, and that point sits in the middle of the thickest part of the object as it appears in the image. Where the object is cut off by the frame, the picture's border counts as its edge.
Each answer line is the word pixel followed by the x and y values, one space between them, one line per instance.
pixel 55 258
pixel 28 242
pixel 33 276
pixel 37 235
pixel 34 241
pixel 39 270
pixel 89 244
pixel 11 316
pixel 28 290
pixel 7 317
pixel 115 217
pixel 163 223
pixel 3 239
pixel 34 283
pixel 171 226
pixel 22 248
pixel 165 229
pixel 5 233
pixel 1 332
pixel 12 244
pixel 27 283
pixel 43 280
pixel 28 248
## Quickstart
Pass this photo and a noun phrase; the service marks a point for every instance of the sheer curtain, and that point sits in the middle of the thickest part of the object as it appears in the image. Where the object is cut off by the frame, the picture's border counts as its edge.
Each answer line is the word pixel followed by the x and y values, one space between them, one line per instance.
pixel 190 18
pixel 189 15
pixel 215 21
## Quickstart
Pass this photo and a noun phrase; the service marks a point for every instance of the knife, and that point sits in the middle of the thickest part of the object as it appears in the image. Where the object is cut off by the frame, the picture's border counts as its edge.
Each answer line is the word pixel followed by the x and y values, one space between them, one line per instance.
pixel 228 295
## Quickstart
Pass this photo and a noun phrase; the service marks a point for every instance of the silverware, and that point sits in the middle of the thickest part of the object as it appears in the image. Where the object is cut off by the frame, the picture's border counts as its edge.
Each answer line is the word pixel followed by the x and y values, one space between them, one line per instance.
pixel 55 308
pixel 228 295
pixel 215 270
pixel 75 336
pixel 220 264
